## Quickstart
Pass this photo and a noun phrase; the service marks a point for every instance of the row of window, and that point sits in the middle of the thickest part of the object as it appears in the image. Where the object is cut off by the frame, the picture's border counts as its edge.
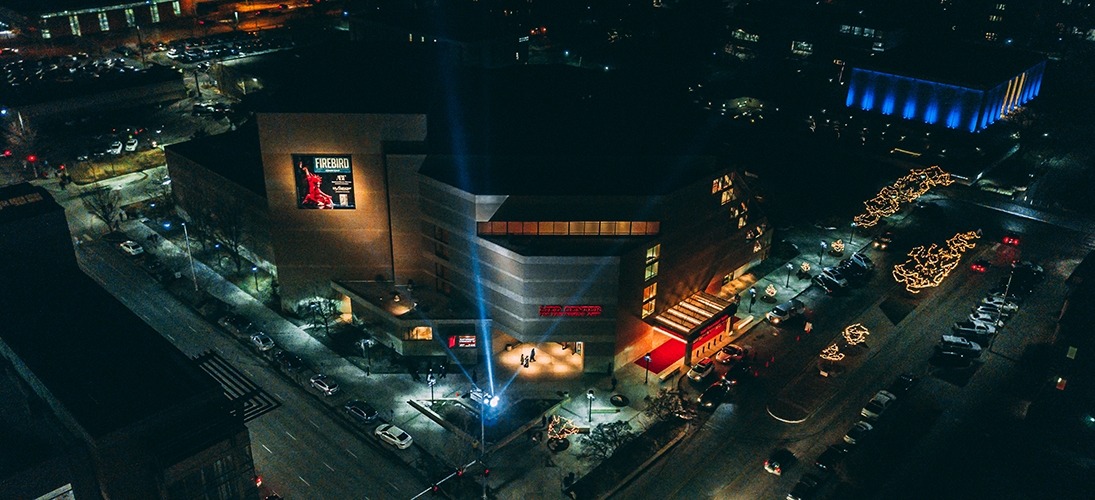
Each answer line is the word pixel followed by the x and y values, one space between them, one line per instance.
pixel 650 292
pixel 860 31
pixel 576 228
pixel 104 21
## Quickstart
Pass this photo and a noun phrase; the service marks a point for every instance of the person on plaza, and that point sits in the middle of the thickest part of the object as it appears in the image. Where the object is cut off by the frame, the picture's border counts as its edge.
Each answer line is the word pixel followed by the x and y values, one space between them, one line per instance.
pixel 532 356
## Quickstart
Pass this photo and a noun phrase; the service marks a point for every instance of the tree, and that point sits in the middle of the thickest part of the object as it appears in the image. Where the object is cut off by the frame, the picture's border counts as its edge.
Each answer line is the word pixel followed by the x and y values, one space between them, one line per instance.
pixel 159 189
pixel 603 440
pixel 666 404
pixel 229 228
pixel 103 204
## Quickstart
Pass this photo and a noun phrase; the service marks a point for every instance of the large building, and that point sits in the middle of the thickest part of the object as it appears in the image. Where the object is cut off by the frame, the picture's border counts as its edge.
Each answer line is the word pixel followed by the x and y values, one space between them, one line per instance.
pixel 118 412
pixel 959 87
pixel 66 18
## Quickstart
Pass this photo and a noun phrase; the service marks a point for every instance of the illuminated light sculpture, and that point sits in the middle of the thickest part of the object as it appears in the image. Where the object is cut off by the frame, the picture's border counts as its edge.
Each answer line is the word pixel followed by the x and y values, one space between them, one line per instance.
pixel 855 334
pixel 771 290
pixel 837 247
pixel 905 190
pixel 805 267
pixel 831 353
pixel 930 265
pixel 560 428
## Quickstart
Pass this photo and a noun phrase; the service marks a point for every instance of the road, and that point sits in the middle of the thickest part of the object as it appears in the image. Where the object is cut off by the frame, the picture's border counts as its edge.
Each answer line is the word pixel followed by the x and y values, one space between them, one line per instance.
pixel 723 458
pixel 300 449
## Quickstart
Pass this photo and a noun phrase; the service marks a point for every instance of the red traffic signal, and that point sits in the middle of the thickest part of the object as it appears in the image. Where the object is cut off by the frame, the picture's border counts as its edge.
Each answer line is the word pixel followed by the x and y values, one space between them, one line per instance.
pixel 258 481
pixel 32 158
pixel 486 472
pixel 7 153
pixel 459 472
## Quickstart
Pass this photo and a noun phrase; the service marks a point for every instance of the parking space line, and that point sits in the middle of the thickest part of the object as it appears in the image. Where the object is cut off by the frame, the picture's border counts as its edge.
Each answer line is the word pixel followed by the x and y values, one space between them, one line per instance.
pixel 394 487
pixel 267 449
pixel 305 482
pixel 350 452
pixel 290 435
pixel 168 335
pixel 329 467
pixel 313 423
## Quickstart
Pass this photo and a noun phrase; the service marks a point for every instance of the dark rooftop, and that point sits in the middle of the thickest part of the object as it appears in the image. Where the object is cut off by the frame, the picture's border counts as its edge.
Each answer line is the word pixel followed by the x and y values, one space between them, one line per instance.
pixel 965 65
pixel 21 201
pixel 234 155
pixel 420 303
pixel 563 246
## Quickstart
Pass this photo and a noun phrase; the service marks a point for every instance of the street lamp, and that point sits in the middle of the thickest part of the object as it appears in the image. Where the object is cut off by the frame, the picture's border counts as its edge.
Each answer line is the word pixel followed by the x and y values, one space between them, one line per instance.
pixel 790 267
pixel 431 381
pixel 489 400
pixel 591 397
pixel 647 359
pixel 821 250
pixel 255 274
pixel 190 255
pixel 752 298
pixel 851 236
pixel 367 350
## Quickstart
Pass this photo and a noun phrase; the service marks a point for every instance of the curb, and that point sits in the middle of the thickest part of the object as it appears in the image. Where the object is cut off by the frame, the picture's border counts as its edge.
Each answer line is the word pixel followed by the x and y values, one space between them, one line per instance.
pixel 643 466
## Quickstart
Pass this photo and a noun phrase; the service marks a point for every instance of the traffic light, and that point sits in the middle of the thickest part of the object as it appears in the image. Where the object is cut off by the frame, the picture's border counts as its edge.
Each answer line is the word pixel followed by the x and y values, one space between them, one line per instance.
pixel 486 472
pixel 32 158
pixel 459 472
pixel 435 488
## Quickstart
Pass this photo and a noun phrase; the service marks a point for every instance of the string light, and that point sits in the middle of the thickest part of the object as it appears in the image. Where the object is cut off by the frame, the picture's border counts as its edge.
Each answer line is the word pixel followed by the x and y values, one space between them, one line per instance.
pixel 771 290
pixel 905 190
pixel 832 353
pixel 837 247
pixel 560 428
pixel 855 334
pixel 805 267
pixel 930 265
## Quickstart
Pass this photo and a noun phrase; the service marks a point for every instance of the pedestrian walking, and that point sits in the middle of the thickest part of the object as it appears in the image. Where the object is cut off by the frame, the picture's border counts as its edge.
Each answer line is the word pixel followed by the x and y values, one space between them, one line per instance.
pixel 532 357
pixel 614 382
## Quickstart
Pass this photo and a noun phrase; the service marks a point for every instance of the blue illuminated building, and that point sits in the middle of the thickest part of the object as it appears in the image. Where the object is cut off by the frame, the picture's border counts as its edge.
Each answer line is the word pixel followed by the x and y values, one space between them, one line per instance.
pixel 963 89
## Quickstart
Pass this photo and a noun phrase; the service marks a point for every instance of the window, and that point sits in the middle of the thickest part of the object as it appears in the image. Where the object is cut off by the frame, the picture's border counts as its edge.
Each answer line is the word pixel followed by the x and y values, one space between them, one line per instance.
pixel 419 333
pixel 742 35
pixel 651 271
pixel 757 246
pixel 441 250
pixel 175 8
pixel 104 23
pixel 155 11
pixel 802 48
pixel 648 308
pixel 990 37
pixel 650 291
pixel 653 253
pixel 46 35
pixel 727 196
pixel 1001 6
pixel 844 28
pixel 74 25
pixel 130 20
pixel 742 221
pixel 995 18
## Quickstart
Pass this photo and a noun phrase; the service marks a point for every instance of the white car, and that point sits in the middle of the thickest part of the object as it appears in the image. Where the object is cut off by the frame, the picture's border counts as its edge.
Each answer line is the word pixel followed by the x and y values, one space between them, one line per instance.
pixel 986 318
pixel 394 436
pixel 262 341
pixel 115 148
pixel 858 432
pixel 1000 303
pixel 878 404
pixel 131 247
pixel 131 145
pixel 991 312
pixel 327 385
pixel 702 369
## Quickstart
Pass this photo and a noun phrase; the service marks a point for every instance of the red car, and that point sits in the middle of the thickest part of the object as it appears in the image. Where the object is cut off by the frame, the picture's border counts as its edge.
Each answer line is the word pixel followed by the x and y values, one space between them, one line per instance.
pixel 980 266
pixel 1011 239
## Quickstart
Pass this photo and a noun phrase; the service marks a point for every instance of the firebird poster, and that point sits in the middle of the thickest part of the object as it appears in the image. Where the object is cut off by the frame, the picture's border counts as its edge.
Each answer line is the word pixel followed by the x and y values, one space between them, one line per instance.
pixel 324 181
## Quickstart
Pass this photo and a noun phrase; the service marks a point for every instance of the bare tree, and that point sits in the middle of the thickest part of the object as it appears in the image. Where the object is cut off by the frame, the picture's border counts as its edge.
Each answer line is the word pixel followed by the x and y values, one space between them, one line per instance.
pixel 21 136
pixel 159 188
pixel 603 440
pixel 103 204
pixel 666 404
pixel 230 229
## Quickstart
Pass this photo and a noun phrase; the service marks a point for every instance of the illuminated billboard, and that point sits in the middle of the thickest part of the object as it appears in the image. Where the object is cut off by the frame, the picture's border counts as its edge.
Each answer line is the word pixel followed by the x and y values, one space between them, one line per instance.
pixel 324 181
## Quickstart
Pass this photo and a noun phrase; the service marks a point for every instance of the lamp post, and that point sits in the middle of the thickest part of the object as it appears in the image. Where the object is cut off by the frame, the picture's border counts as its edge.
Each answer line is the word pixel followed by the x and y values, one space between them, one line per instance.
pixel 255 274
pixel 851 236
pixel 647 359
pixel 367 350
pixel 590 397
pixel 491 401
pixel 752 298
pixel 790 267
pixel 190 255
pixel 821 250
pixel 431 381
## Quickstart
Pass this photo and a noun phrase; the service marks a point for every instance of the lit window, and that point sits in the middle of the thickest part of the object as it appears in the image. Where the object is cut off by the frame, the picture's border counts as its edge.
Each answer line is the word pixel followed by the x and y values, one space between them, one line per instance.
pixel 651 271
pixel 653 253
pixel 802 48
pixel 757 246
pixel 990 37
pixel 104 23
pixel 175 8
pixel 419 333
pixel 650 291
pixel 410 37
pixel 844 28
pixel 45 33
pixel 74 25
pixel 1001 6
pixel 130 20
pixel 648 308
pixel 155 11
pixel 742 221
pixel 995 18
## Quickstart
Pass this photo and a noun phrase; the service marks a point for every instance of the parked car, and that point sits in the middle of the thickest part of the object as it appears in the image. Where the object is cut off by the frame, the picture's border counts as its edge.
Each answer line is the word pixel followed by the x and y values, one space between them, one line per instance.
pixel 827 283
pixel 959 344
pixel 1014 299
pixel 394 436
pixel 831 456
pixel 902 384
pixel 1000 303
pixel 360 410
pixel 131 145
pixel 288 360
pixel 836 276
pixel 235 323
pixel 980 266
pixel 858 431
pixel 974 330
pixel 739 371
pixel 322 383
pixel 730 353
pixel 779 461
pixel 785 311
pixel 991 311
pixel 806 488
pixel 115 148
pixel 715 394
pixel 858 265
pixel 1011 239
pixel 131 247
pixel 262 341
pixel 953 359
pixel 877 405
pixel 883 241
pixel 986 318
pixel 701 369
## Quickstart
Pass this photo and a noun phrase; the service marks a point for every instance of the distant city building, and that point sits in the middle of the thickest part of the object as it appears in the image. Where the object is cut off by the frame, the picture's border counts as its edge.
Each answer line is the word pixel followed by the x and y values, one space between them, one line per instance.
pixel 105 407
pixel 962 87
pixel 48 19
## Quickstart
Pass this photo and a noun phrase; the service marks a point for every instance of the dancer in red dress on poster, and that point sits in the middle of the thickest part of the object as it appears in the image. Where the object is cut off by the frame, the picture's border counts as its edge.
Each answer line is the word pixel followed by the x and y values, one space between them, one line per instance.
pixel 315 195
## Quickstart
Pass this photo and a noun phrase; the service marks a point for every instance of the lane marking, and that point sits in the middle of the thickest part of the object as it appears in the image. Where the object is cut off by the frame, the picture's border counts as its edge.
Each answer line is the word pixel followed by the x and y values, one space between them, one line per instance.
pixel 279 396
pixel 290 435
pixel 329 467
pixel 313 423
pixel 166 309
pixel 350 452
pixel 394 487
pixel 305 482
pixel 267 449
pixel 195 330
pixel 168 335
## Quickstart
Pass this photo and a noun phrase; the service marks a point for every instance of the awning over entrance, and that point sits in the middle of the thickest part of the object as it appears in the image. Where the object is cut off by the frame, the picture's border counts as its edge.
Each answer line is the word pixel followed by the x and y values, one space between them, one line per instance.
pixel 682 319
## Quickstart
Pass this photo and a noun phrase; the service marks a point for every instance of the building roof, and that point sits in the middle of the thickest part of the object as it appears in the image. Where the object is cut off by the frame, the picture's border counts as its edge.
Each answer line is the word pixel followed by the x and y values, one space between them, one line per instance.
pixel 569 246
pixel 234 155
pixel 964 65
pixel 23 201
pixel 415 303
pixel 559 175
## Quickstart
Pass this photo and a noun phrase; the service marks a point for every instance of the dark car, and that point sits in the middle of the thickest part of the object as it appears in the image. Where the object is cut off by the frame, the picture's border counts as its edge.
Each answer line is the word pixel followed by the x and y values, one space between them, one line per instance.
pixel 360 410
pixel 806 488
pixel 715 394
pixel 738 372
pixel 827 283
pixel 903 383
pixel 883 241
pixel 831 456
pixel 779 461
pixel 952 359
pixel 235 323
pixel 288 360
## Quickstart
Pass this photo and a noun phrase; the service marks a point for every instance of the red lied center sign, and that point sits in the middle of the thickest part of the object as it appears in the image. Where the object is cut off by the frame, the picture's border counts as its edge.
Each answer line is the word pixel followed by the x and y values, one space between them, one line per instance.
pixel 585 311
pixel 324 181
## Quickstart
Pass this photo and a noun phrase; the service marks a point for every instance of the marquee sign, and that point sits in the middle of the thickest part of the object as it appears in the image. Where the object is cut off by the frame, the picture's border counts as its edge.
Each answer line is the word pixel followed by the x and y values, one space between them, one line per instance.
pixel 582 311
pixel 324 181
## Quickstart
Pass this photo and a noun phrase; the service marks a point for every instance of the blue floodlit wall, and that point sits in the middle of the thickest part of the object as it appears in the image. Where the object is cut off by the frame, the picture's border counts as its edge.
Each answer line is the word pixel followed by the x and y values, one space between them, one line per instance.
pixel 935 103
